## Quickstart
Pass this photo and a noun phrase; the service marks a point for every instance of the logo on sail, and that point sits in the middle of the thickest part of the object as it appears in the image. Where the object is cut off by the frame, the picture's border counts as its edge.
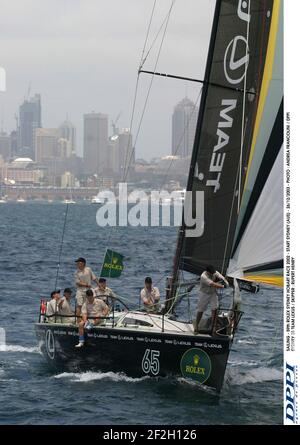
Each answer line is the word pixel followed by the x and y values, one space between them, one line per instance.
pixel 243 10
pixel 196 364
pixel 235 67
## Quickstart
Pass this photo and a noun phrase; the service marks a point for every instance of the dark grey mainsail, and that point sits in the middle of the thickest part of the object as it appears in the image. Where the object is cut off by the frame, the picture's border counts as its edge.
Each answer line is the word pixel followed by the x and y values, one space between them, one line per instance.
pixel 226 119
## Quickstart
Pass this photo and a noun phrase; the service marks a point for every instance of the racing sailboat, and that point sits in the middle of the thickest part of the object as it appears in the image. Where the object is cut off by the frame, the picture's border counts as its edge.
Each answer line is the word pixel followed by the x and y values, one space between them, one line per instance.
pixel 237 164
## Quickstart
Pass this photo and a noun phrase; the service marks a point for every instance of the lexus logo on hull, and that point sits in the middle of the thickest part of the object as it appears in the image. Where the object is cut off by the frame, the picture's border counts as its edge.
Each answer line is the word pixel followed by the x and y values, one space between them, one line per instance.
pixel 50 344
pixel 235 68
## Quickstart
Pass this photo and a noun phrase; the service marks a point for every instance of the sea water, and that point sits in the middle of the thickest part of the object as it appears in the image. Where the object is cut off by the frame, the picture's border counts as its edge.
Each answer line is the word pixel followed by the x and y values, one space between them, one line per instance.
pixel 30 393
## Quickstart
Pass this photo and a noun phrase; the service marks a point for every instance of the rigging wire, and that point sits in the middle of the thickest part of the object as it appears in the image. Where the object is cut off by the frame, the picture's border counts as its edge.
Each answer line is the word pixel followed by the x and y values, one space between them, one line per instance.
pixel 143 60
pixel 135 99
pixel 61 246
pixel 166 21
pixel 127 164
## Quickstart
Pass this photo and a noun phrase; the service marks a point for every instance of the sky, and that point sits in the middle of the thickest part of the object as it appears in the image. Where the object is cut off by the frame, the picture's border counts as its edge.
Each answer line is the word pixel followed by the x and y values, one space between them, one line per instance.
pixel 83 56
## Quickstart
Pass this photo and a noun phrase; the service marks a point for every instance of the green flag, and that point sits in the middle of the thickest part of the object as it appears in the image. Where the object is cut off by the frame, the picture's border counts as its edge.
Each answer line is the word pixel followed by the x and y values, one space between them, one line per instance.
pixel 112 265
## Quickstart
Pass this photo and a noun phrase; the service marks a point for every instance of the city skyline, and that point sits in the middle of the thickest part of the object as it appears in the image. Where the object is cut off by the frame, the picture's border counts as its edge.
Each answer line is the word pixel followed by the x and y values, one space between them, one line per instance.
pixel 67 62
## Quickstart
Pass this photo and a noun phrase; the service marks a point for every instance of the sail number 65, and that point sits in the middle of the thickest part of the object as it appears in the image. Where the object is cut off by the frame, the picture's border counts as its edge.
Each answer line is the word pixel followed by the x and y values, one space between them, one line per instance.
pixel 150 362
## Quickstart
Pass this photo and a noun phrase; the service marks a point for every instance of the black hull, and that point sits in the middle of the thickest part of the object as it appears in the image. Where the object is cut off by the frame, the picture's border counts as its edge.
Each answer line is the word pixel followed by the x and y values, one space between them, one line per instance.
pixel 136 353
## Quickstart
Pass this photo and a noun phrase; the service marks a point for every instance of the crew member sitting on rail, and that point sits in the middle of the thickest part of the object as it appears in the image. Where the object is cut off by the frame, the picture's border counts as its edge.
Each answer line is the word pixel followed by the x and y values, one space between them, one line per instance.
pixel 53 307
pixel 150 296
pixel 65 308
pixel 104 292
pixel 91 311
pixel 83 280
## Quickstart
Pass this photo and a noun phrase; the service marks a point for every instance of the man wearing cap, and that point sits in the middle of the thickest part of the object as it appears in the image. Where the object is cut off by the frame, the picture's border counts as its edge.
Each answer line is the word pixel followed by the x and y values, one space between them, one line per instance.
pixel 53 307
pixel 104 292
pixel 65 308
pixel 150 296
pixel 93 307
pixel 83 280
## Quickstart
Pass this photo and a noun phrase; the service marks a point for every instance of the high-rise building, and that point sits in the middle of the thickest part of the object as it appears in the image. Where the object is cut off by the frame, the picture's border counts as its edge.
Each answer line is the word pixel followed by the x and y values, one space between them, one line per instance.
pixel 47 144
pixel 184 122
pixel 68 132
pixel 95 143
pixel 5 146
pixel 29 120
pixel 126 153
pixel 13 143
pixel 121 154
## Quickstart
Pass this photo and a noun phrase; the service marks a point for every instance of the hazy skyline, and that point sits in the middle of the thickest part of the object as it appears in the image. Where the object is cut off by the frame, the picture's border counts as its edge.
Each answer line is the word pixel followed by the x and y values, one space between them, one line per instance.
pixel 83 56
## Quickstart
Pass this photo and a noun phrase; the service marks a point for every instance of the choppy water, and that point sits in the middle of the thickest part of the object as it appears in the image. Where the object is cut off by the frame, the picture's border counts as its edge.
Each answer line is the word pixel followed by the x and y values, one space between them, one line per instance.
pixel 30 393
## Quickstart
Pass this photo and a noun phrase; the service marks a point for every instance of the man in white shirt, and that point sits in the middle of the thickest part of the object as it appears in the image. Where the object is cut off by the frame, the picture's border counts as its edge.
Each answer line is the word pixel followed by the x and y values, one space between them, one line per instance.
pixel 210 281
pixel 53 308
pixel 65 307
pixel 104 292
pixel 91 310
pixel 83 281
pixel 150 296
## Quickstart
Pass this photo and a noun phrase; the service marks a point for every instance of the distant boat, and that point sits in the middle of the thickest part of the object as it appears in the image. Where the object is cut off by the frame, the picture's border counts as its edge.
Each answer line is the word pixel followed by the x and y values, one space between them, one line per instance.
pixel 96 200
pixel 69 201
pixel 21 200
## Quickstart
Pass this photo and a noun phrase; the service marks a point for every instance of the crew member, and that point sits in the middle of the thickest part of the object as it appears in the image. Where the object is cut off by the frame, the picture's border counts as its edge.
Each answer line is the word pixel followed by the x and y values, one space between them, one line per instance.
pixel 104 292
pixel 210 281
pixel 65 308
pixel 150 296
pixel 91 311
pixel 83 281
pixel 53 308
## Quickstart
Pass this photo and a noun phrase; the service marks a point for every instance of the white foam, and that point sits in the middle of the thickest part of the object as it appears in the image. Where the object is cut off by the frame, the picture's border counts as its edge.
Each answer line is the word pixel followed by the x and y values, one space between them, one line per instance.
pixel 90 376
pixel 247 342
pixel 256 375
pixel 242 363
pixel 8 380
pixel 18 348
pixel 194 383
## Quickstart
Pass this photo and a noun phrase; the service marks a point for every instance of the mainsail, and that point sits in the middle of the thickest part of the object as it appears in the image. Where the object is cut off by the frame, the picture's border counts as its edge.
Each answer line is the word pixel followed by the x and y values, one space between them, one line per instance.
pixel 237 157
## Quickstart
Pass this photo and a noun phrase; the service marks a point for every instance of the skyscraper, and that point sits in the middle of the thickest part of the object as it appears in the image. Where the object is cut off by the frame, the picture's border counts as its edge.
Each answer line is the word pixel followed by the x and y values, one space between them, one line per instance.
pixel 95 143
pixel 121 154
pixel 126 153
pixel 184 122
pixel 68 132
pixel 30 120
pixel 47 144
pixel 5 146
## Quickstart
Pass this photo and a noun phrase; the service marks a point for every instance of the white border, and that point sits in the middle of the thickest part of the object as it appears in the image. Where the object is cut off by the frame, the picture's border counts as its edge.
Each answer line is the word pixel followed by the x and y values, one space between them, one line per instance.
pixel 291 94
